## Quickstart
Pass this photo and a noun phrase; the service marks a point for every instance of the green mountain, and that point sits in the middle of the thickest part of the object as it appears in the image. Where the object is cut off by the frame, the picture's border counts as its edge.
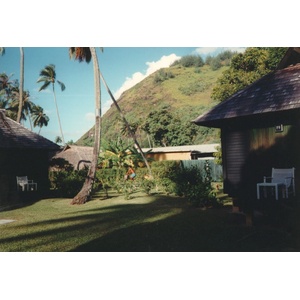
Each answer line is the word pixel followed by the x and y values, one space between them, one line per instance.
pixel 185 90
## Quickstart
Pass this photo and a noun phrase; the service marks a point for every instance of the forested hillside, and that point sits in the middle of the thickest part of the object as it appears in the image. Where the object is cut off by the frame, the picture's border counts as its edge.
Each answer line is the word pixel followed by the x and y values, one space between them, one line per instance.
pixel 161 107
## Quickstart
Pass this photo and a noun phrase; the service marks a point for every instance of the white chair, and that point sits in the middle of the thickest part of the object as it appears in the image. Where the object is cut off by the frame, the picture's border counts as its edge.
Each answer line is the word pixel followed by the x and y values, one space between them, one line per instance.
pixel 25 184
pixel 280 178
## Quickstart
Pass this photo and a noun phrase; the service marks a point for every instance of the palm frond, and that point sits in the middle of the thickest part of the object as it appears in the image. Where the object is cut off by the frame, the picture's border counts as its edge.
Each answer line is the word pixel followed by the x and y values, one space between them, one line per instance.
pixel 80 53
pixel 44 86
pixel 41 79
pixel 48 71
pixel 62 85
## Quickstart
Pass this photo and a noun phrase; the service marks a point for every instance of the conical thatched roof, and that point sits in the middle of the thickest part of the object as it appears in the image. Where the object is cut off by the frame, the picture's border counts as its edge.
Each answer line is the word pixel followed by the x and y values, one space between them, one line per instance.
pixel 78 156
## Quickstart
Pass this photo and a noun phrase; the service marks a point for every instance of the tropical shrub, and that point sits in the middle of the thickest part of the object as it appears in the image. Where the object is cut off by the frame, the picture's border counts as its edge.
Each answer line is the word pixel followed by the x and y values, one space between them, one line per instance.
pixel 169 177
pixel 192 183
pixel 64 180
pixel 190 61
pixel 67 183
pixel 162 75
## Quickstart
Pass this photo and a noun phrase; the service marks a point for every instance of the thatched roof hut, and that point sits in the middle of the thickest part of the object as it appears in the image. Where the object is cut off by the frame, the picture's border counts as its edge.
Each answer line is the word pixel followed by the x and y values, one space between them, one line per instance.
pixel 78 156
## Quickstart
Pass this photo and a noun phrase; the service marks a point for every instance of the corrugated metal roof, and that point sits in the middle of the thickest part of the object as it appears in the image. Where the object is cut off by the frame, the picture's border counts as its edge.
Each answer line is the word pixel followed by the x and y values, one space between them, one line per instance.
pixel 205 148
pixel 277 91
pixel 13 136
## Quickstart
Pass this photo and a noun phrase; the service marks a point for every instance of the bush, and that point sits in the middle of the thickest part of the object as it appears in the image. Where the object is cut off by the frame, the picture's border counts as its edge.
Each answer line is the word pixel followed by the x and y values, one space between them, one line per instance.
pixel 169 176
pixel 173 178
pixel 162 75
pixel 67 183
pixel 190 61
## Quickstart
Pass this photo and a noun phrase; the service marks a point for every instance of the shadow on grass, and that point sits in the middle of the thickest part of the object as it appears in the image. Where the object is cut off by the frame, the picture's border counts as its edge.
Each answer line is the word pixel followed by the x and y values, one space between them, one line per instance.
pixel 192 231
pixel 166 224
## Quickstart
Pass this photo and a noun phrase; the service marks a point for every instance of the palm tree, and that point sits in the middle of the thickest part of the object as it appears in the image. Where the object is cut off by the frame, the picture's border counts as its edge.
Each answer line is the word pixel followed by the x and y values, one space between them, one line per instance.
pixel 26 104
pixel 21 86
pixel 88 54
pixel 7 88
pixel 6 84
pixel 38 116
pixel 47 77
pixel 58 140
pixel 129 130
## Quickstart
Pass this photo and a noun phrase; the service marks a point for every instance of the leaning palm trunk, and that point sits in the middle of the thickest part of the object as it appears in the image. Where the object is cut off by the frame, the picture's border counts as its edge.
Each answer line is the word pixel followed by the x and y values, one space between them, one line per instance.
pixel 132 135
pixel 21 85
pixel 86 189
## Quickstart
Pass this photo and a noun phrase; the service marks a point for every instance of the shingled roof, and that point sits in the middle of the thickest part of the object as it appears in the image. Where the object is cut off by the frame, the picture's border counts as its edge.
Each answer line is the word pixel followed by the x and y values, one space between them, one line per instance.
pixel 278 91
pixel 13 136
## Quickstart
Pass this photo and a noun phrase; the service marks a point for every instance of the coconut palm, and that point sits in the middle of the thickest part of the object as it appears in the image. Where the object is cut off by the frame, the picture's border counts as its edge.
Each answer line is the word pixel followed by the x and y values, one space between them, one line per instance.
pixel 58 140
pixel 38 116
pixel 21 86
pixel 47 77
pixel 129 130
pixel 88 54
pixel 26 104
pixel 7 84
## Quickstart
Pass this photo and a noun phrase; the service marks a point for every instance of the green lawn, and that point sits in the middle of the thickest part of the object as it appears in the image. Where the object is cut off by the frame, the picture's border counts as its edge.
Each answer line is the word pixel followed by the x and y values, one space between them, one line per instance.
pixel 142 223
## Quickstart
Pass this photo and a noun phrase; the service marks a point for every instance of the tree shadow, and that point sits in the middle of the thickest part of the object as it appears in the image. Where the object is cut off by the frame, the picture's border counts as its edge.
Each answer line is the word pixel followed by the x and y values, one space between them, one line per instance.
pixel 167 224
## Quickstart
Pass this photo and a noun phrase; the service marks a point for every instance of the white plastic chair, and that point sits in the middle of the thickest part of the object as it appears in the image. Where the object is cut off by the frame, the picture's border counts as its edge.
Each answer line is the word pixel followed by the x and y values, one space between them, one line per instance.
pixel 26 184
pixel 284 178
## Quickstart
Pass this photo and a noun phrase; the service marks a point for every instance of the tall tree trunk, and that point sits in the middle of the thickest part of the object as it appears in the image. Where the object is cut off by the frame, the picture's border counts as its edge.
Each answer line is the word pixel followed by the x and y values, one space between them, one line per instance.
pixel 57 112
pixel 132 135
pixel 21 86
pixel 86 189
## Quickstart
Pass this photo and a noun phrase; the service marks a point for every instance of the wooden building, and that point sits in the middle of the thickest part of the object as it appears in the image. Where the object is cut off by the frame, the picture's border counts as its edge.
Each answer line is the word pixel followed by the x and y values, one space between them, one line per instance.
pixel 182 152
pixel 22 153
pixel 260 129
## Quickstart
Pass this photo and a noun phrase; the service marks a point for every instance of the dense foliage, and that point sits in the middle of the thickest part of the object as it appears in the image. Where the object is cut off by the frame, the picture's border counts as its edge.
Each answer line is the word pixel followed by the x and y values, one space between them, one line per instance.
pixel 190 61
pixel 65 181
pixel 166 128
pixel 169 177
pixel 246 68
pixel 222 59
pixel 9 100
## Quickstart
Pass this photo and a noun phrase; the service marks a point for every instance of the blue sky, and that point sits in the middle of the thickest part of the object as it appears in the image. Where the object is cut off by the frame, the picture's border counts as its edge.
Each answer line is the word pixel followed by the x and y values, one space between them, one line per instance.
pixel 122 67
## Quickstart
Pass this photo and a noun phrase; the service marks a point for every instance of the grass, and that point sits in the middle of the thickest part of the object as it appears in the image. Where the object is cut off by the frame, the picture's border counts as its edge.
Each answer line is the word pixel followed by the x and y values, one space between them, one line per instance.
pixel 143 223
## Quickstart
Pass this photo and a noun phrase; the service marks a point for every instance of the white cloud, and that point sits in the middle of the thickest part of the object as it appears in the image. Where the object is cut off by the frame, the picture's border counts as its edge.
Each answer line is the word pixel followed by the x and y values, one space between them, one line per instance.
pixel 163 62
